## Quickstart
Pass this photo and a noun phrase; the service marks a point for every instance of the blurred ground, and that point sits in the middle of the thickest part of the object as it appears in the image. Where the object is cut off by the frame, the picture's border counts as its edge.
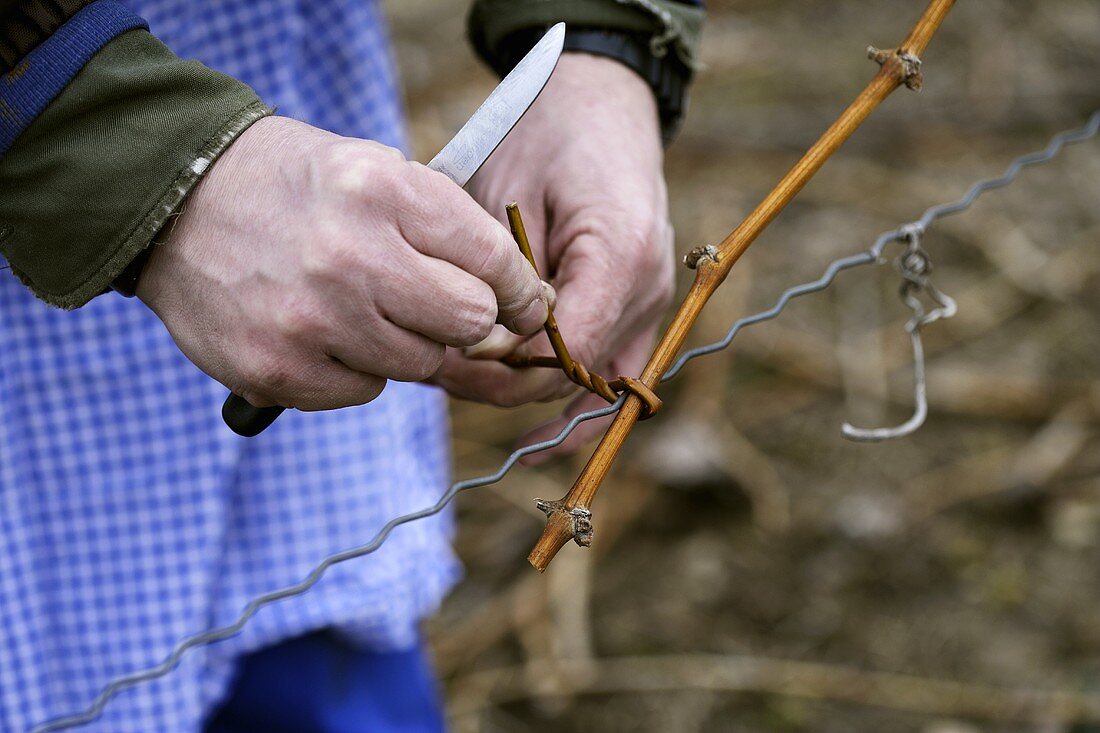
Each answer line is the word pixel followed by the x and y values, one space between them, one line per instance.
pixel 752 570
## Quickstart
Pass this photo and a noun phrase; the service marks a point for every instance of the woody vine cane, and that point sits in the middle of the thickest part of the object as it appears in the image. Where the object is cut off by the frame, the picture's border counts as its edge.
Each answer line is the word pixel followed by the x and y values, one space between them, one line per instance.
pixel 570 517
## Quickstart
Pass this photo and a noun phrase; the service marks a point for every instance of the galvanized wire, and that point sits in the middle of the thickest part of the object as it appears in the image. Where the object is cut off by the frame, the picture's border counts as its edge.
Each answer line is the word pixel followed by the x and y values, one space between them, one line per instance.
pixel 915 267
pixel 871 256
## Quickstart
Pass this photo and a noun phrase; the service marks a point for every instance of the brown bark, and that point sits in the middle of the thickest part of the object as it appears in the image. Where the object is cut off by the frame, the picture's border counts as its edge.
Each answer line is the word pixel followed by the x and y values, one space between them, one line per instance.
pixel 712 265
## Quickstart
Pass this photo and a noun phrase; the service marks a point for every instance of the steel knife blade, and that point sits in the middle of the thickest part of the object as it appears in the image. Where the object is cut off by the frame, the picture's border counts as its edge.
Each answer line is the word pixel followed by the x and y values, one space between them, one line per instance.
pixel 460 159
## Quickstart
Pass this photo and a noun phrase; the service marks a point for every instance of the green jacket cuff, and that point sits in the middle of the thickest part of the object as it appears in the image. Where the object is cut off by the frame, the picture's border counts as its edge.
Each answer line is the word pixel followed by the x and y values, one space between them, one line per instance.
pixel 91 181
pixel 670 25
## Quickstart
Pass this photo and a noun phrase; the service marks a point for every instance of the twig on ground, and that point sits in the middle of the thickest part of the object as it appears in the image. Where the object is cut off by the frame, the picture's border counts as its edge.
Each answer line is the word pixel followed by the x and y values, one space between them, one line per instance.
pixel 814 680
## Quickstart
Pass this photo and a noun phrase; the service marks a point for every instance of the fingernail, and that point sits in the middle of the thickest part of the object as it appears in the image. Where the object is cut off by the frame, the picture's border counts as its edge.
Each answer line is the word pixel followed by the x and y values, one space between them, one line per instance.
pixel 550 294
pixel 494 346
pixel 532 317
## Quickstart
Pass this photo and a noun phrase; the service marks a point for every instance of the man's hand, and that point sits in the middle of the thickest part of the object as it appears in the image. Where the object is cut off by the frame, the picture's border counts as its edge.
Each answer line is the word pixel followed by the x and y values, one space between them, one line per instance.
pixel 307 269
pixel 585 165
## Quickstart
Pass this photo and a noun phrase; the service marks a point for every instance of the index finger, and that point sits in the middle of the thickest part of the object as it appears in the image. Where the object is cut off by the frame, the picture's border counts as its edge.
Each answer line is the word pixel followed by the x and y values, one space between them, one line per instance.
pixel 446 223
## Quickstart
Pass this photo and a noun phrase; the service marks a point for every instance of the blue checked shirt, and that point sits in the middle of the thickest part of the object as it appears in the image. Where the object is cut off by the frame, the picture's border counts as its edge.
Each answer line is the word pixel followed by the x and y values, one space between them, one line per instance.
pixel 130 516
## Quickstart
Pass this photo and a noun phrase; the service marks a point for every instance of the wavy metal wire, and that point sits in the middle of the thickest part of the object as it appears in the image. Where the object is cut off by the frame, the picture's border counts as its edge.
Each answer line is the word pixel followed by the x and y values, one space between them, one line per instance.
pixel 870 256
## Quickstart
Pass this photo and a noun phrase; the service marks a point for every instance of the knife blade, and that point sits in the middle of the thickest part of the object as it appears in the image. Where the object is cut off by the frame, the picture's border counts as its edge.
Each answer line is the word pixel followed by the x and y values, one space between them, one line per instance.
pixel 459 160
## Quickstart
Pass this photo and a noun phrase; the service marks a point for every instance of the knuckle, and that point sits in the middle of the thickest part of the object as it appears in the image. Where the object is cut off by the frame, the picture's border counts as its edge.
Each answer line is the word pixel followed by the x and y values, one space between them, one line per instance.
pixel 492 257
pixel 383 151
pixel 341 168
pixel 357 168
pixel 435 188
pixel 268 379
pixel 297 321
pixel 252 397
pixel 332 255
pixel 475 319
pixel 406 187
pixel 400 187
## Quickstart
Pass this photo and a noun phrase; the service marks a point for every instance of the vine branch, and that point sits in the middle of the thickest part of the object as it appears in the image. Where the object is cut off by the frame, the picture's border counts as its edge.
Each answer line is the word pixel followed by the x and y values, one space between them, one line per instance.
pixel 713 263
pixel 576 372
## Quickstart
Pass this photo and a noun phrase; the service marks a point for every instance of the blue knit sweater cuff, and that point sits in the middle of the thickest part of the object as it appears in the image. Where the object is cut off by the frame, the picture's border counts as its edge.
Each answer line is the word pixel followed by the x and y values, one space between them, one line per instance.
pixel 39 78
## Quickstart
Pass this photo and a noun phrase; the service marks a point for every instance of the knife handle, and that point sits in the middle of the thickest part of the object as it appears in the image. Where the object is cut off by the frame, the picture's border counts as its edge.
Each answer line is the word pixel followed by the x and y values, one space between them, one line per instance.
pixel 244 418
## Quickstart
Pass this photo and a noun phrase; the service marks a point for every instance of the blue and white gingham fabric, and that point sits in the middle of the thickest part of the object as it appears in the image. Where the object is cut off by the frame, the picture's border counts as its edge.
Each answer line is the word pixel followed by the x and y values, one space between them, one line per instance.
pixel 130 516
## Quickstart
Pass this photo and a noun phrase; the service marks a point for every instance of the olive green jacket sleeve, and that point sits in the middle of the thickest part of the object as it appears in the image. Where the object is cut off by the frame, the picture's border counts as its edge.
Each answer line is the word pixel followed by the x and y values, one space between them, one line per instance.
pixel 91 181
pixel 669 25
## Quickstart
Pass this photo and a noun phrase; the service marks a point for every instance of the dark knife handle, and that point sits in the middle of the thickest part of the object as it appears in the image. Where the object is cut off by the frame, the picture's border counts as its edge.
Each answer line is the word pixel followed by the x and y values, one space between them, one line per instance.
pixel 244 418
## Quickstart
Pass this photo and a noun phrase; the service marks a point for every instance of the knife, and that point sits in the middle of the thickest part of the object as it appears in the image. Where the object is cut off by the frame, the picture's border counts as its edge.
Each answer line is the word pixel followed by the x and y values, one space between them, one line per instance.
pixel 459 160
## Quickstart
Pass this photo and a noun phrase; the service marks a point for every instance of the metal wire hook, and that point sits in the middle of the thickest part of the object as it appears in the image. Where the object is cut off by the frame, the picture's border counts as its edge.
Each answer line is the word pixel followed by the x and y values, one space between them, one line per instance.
pixel 914 266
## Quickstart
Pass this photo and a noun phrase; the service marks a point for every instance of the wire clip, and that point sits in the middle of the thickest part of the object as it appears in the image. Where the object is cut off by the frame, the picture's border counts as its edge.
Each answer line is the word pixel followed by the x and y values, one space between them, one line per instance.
pixel 914 266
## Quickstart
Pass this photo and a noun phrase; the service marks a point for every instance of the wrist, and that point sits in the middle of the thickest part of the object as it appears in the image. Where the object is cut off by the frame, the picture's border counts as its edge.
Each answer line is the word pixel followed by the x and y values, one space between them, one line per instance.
pixel 599 91
pixel 665 74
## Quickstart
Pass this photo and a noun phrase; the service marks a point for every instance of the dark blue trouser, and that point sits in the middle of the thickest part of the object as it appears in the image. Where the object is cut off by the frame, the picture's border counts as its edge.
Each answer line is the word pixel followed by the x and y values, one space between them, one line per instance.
pixel 320 684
